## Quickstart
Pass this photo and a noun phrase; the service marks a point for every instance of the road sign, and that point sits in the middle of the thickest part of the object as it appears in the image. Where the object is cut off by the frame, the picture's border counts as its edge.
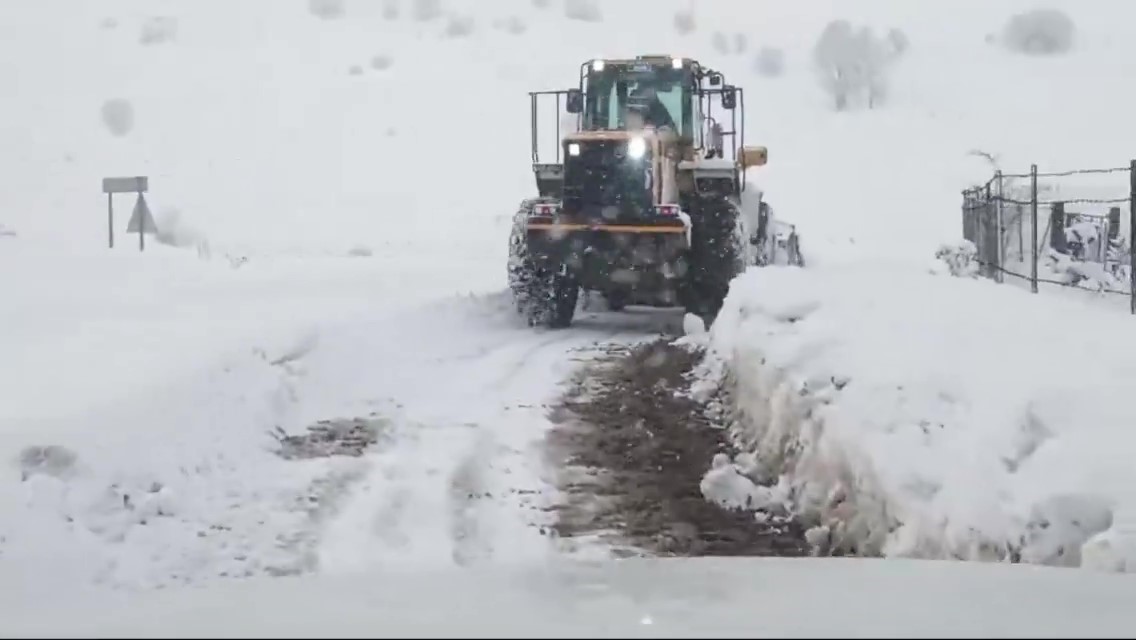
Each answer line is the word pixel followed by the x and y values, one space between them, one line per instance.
pixel 141 221
pixel 138 184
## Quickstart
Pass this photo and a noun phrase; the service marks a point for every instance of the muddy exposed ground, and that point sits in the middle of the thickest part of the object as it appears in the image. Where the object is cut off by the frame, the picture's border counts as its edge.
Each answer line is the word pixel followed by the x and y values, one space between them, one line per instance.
pixel 341 437
pixel 634 448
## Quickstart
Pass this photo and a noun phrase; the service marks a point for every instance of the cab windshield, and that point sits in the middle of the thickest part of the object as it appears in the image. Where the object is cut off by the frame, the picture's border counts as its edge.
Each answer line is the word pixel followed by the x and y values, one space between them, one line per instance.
pixel 660 94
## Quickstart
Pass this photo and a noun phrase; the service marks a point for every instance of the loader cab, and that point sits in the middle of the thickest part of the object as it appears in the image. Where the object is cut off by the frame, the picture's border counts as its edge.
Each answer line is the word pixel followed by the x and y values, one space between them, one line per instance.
pixel 620 95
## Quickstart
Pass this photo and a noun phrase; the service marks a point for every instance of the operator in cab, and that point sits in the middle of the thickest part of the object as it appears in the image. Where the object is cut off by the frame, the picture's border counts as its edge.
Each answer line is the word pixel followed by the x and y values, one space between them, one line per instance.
pixel 644 109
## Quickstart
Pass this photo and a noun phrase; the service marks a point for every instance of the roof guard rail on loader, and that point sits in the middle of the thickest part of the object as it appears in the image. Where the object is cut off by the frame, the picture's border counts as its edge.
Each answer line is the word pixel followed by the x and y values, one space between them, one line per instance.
pixel 548 167
pixel 732 100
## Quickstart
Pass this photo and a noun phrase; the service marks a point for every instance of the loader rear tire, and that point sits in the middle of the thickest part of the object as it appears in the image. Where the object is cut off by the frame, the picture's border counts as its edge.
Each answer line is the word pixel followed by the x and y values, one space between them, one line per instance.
pixel 720 251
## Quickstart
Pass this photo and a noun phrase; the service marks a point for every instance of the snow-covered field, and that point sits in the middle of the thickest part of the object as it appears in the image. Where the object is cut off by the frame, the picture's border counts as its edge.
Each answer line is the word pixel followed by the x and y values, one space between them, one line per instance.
pixel 335 189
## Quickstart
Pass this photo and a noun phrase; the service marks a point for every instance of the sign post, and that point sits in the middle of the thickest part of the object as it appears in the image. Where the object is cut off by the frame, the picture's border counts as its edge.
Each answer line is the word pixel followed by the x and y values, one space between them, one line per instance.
pixel 141 220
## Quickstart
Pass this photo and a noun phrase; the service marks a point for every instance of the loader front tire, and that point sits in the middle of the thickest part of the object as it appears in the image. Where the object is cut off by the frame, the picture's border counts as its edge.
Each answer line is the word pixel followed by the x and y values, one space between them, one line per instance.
pixel 543 297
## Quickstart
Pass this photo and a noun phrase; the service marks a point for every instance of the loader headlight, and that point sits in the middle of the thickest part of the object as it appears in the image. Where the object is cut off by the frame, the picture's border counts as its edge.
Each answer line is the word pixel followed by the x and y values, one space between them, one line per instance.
pixel 636 148
pixel 598 65
pixel 573 148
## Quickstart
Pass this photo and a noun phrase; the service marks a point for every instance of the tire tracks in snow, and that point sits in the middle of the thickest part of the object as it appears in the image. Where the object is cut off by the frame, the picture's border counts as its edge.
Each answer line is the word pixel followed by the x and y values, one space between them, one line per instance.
pixel 464 480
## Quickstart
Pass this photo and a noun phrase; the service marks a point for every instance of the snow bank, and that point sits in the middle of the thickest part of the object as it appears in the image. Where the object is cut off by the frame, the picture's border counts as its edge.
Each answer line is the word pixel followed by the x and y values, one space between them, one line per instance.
pixel 923 415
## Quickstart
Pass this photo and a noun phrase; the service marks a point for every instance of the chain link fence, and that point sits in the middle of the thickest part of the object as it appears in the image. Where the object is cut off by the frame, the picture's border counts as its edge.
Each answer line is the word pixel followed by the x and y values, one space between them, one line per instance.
pixel 1069 229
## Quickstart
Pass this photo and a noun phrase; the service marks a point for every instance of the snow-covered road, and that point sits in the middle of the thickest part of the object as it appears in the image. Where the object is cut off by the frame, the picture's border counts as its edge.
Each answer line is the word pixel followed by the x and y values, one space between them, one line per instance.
pixel 463 477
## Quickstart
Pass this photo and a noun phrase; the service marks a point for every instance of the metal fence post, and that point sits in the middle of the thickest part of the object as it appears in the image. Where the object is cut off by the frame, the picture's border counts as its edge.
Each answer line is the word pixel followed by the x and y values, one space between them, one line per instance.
pixel 1132 237
pixel 110 220
pixel 1001 227
pixel 1033 228
pixel 993 224
pixel 966 215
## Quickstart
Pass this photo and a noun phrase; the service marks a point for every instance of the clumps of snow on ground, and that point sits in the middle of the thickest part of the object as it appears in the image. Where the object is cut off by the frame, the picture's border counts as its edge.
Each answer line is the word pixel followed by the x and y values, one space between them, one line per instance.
pixel 693 326
pixel 731 484
pixel 1113 550
pixel 921 415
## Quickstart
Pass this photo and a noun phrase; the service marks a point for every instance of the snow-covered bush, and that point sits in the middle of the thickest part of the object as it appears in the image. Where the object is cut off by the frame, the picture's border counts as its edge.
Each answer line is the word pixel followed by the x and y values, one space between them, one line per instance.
pixel 741 43
pixel 541 4
pixel 684 22
pixel 173 230
pixel 852 63
pixel 1039 32
pixel 585 10
pixel 770 62
pixel 960 259
pixel 459 26
pixel 899 42
pixel 6 232
pixel 158 30
pixel 425 10
pixel 512 24
pixel 721 43
pixel 381 62
pixel 52 460
pixel 1070 271
pixel 118 116
pixel 326 9
pixel 391 10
